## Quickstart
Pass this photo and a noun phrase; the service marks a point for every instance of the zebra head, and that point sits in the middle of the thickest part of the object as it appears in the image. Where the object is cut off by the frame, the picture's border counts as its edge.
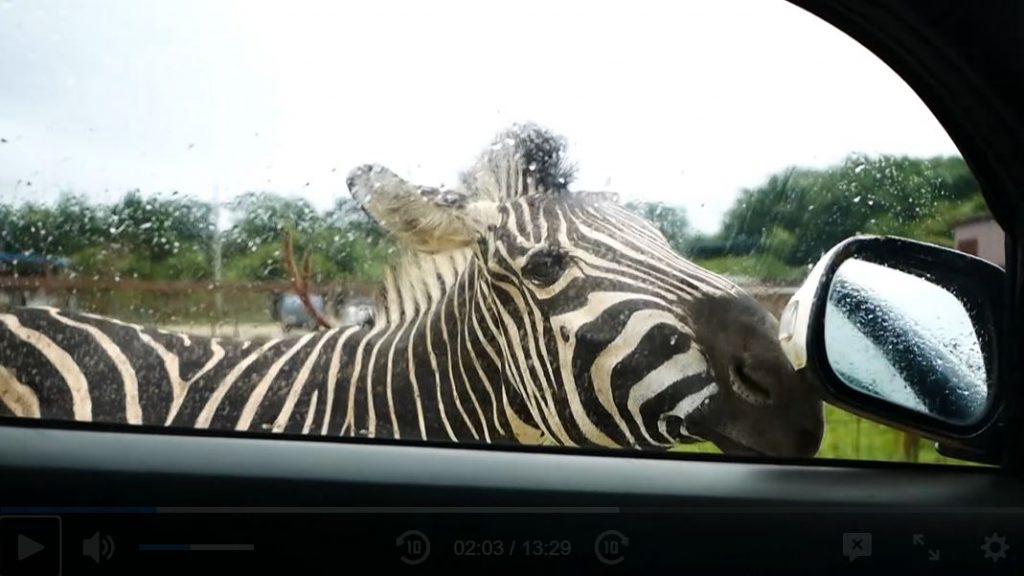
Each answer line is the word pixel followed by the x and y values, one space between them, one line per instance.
pixel 607 335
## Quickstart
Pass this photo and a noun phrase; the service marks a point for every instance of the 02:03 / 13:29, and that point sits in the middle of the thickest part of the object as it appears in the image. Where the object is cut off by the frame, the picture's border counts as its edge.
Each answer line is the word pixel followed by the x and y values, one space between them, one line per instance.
pixel 527 547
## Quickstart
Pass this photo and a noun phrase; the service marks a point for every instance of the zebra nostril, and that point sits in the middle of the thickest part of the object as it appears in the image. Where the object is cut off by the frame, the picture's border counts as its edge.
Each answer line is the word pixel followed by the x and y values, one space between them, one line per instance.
pixel 748 385
pixel 676 428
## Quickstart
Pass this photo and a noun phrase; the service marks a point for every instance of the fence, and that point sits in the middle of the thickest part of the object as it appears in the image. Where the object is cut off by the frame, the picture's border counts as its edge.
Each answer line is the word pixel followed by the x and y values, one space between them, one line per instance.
pixel 195 305
pixel 240 309
pixel 774 298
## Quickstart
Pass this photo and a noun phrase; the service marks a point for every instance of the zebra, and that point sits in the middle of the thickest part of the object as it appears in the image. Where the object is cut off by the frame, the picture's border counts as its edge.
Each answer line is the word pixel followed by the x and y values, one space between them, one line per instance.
pixel 517 312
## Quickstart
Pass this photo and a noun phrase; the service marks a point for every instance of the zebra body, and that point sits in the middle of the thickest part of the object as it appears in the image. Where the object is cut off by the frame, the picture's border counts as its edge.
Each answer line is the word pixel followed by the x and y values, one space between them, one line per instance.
pixel 519 312
pixel 89 368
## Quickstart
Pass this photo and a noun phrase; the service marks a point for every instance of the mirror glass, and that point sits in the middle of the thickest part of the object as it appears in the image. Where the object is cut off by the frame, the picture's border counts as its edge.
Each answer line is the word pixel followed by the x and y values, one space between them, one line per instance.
pixel 905 340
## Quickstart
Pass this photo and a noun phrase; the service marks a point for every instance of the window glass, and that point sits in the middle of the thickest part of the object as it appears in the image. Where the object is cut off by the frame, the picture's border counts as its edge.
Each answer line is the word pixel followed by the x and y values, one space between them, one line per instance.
pixel 568 223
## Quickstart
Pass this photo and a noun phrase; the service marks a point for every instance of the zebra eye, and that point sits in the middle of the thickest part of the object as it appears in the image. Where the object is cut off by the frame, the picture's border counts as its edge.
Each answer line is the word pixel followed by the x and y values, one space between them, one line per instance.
pixel 545 266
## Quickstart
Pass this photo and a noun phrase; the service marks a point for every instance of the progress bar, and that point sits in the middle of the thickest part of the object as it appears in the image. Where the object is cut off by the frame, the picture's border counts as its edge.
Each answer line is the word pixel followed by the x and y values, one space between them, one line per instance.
pixel 432 510
pixel 309 510
pixel 196 547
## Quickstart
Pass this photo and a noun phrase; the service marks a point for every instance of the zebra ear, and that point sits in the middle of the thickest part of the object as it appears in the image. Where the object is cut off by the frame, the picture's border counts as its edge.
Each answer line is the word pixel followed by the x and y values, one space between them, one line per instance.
pixel 424 218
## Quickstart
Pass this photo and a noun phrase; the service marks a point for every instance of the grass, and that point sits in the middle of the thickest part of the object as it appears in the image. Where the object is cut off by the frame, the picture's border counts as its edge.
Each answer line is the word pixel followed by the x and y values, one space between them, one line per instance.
pixel 762 267
pixel 850 437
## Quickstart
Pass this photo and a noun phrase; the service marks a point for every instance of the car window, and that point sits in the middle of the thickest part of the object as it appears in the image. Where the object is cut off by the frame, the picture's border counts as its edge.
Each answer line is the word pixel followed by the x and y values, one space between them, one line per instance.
pixel 567 224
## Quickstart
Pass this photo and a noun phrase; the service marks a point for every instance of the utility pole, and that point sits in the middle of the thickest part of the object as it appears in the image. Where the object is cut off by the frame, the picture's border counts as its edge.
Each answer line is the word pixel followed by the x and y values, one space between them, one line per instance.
pixel 218 295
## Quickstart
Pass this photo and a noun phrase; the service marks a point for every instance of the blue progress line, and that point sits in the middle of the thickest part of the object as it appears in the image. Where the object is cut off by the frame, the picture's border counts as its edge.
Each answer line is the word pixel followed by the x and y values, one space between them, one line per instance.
pixel 164 547
pixel 196 547
pixel 78 510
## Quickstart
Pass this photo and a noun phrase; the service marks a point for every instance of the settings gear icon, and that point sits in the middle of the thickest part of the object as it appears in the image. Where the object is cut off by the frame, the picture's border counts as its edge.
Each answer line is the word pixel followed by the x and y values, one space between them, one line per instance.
pixel 995 547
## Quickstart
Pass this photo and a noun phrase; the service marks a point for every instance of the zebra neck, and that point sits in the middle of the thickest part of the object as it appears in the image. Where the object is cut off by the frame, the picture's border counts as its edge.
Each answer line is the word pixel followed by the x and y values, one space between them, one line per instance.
pixel 435 375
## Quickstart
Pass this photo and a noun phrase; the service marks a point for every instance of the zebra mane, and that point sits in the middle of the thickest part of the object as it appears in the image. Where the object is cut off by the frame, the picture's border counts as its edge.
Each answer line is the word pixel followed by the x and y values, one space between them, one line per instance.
pixel 522 160
pixel 415 282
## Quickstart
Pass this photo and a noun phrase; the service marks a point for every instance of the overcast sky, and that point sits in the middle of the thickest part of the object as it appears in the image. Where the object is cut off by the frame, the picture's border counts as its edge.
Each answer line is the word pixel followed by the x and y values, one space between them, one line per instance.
pixel 684 102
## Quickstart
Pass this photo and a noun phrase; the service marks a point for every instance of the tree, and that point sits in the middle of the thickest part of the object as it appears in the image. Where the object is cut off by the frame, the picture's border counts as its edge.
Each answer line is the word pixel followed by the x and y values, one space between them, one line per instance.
pixel 63 228
pixel 808 211
pixel 342 242
pixel 670 220
pixel 262 217
pixel 160 226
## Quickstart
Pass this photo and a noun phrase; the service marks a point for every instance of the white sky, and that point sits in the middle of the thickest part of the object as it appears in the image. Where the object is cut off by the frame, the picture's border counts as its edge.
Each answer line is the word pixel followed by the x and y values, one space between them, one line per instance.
pixel 684 102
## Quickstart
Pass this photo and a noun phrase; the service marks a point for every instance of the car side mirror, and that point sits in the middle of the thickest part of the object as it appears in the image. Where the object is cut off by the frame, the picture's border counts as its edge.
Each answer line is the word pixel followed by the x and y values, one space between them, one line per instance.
pixel 905 333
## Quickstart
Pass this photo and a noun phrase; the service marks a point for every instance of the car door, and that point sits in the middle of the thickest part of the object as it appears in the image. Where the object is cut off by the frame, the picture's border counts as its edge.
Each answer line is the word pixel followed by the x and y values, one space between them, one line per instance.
pixel 277 84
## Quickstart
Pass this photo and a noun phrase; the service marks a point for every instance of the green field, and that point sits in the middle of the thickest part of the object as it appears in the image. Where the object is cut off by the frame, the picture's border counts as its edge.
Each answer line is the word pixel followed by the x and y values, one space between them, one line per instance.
pixel 763 267
pixel 851 437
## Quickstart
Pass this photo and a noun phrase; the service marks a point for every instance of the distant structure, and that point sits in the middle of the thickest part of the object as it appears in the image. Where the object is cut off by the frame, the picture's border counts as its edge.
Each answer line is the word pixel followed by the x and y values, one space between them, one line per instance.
pixel 344 310
pixel 981 236
pixel 356 310
pixel 27 265
pixel 289 310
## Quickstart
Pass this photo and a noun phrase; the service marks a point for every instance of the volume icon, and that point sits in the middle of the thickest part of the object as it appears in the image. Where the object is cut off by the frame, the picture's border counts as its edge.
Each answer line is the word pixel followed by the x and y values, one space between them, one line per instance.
pixel 98 547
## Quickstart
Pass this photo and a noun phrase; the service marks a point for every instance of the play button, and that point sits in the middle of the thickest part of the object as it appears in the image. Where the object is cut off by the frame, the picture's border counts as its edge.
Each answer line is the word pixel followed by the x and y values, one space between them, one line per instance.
pixel 28 547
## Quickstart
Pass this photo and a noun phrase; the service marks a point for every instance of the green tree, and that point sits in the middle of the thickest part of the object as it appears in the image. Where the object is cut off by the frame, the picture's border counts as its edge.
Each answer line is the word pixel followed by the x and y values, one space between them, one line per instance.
pixel 341 242
pixel 59 229
pixel 261 218
pixel 799 213
pixel 670 220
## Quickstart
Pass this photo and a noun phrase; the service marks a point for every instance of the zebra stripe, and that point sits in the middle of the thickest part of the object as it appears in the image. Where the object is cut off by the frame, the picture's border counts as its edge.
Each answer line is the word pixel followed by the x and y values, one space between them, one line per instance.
pixel 332 378
pixel 260 391
pixel 18 398
pixel 133 409
pixel 171 363
pixel 298 385
pixel 61 362
pixel 216 355
pixel 211 405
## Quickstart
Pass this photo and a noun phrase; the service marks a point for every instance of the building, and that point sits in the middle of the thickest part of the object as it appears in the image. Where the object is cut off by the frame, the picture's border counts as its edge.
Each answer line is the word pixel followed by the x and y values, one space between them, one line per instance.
pixel 981 236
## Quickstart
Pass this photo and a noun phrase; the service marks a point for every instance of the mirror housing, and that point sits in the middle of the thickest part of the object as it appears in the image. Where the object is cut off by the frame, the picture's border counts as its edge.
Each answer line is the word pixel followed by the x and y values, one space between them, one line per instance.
pixel 896 363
